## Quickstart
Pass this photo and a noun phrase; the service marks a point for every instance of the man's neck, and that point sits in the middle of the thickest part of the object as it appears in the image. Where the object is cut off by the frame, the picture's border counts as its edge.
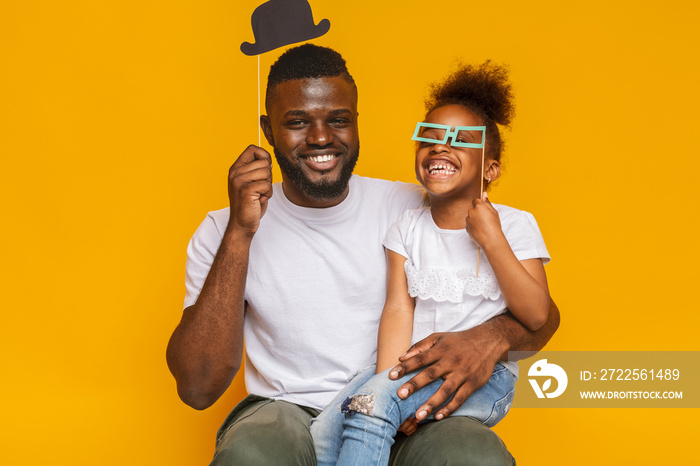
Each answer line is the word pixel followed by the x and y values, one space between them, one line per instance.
pixel 298 197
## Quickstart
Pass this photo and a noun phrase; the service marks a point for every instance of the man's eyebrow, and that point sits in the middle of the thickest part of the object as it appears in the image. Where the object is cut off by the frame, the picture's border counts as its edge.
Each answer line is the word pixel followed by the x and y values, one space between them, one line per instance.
pixel 340 111
pixel 332 113
pixel 296 113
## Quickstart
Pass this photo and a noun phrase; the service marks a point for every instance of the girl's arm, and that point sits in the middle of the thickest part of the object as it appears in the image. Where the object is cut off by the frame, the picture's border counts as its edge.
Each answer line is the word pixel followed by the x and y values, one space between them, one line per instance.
pixel 523 283
pixel 396 324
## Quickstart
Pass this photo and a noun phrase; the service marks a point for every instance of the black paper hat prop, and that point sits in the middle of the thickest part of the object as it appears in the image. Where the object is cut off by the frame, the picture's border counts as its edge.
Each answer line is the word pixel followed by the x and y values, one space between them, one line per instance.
pixel 277 23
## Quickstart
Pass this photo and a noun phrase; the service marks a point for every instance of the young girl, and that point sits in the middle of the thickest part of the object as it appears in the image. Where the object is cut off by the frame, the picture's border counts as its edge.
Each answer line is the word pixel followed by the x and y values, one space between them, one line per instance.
pixel 451 266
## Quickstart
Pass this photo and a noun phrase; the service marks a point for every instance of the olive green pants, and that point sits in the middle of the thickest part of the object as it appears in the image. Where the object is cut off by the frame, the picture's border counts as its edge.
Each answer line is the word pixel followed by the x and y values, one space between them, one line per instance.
pixel 261 431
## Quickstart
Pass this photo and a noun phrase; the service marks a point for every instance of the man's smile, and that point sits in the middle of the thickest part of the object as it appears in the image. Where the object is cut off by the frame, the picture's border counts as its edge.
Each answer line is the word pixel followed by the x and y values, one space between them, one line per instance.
pixel 321 158
pixel 322 162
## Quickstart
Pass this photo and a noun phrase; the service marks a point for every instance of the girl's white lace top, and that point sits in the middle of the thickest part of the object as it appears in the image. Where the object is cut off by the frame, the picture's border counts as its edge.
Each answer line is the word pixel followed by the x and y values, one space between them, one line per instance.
pixel 441 268
pixel 450 285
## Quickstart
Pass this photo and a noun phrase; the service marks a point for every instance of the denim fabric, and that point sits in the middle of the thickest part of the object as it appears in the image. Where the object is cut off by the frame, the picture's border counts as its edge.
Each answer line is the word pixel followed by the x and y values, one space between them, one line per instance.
pixel 364 417
pixel 327 427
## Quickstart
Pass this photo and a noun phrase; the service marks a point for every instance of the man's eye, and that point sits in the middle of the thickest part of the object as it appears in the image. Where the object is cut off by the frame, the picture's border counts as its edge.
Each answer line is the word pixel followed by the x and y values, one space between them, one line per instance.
pixel 339 121
pixel 296 123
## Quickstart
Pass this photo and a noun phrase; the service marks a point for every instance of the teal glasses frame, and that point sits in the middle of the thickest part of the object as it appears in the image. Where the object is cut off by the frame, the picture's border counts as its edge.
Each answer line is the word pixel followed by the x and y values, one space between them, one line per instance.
pixel 450 134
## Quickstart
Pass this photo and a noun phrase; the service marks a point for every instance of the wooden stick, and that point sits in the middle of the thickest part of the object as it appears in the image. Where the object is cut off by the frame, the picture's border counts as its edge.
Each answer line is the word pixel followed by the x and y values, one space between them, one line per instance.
pixel 481 192
pixel 259 101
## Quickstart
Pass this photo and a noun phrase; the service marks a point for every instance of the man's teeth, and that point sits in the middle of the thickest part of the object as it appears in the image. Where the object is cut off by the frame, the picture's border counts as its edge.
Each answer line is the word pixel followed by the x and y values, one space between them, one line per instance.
pixel 322 158
pixel 439 168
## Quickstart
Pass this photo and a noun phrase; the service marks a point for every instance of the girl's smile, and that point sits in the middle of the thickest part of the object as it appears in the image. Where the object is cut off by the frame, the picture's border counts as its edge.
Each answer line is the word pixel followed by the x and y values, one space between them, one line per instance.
pixel 438 167
pixel 445 170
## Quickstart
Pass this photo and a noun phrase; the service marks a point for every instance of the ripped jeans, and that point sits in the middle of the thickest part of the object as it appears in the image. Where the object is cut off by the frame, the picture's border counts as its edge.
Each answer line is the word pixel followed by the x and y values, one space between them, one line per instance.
pixel 358 426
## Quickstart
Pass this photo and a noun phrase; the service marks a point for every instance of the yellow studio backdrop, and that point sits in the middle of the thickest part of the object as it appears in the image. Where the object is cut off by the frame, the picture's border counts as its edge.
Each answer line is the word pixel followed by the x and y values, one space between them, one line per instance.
pixel 119 120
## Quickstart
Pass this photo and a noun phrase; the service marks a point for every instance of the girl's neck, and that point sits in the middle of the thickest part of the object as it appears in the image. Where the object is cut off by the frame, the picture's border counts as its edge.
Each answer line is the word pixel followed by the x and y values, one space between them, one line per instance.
pixel 451 213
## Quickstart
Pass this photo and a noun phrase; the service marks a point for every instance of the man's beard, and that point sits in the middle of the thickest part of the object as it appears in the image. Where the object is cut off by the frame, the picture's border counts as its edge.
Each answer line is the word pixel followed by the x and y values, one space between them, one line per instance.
pixel 322 190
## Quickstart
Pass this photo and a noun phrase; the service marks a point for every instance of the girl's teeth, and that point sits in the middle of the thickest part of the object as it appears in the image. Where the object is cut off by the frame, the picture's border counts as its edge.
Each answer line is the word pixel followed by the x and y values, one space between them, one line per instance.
pixel 441 168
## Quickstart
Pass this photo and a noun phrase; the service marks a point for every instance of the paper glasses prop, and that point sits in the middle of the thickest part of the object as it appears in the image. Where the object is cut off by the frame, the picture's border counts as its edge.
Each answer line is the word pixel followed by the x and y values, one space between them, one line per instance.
pixel 444 132
pixel 439 134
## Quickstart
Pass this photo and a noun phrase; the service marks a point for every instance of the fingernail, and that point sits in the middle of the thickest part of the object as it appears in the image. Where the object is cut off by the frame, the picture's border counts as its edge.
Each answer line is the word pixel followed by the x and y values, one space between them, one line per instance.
pixel 403 392
pixel 421 414
pixel 393 374
pixel 439 416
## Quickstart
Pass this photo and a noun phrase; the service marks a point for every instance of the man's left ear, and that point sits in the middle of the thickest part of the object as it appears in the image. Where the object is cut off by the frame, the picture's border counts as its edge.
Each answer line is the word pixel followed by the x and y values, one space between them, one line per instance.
pixel 492 170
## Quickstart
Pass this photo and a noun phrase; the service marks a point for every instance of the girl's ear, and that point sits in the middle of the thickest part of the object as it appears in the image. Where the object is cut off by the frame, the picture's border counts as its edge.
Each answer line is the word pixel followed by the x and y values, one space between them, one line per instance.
pixel 492 170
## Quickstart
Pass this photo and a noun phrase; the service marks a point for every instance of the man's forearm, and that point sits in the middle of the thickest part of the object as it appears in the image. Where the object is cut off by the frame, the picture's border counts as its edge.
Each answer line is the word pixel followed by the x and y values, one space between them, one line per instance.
pixel 514 336
pixel 206 348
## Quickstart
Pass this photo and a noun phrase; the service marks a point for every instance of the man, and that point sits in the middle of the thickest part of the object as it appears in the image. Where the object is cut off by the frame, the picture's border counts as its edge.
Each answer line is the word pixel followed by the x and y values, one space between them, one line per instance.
pixel 300 275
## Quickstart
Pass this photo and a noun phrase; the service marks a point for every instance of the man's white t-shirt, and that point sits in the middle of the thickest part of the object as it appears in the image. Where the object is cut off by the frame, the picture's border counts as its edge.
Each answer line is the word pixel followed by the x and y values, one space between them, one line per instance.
pixel 315 288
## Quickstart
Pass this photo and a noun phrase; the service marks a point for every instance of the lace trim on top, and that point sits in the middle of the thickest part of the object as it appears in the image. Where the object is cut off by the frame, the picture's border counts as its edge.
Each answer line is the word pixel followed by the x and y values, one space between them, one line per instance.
pixel 450 285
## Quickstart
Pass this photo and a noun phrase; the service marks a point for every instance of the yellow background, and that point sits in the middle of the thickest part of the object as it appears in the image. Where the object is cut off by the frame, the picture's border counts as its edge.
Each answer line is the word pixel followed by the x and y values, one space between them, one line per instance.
pixel 120 118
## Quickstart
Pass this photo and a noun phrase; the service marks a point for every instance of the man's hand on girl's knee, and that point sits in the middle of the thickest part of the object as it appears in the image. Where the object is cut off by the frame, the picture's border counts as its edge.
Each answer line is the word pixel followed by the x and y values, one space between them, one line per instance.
pixel 464 360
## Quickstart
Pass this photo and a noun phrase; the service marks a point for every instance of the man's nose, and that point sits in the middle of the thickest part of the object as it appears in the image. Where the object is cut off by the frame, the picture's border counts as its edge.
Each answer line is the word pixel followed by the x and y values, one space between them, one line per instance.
pixel 319 135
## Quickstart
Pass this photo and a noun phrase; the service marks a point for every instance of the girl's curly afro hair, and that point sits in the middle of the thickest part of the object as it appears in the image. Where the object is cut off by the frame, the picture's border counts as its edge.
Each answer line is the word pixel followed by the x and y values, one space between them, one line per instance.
pixel 484 90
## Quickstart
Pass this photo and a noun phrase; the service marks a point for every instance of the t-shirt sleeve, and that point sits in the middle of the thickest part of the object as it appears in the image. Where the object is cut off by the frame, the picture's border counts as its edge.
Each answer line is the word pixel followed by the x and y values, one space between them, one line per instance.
pixel 201 252
pixel 403 197
pixel 395 239
pixel 524 236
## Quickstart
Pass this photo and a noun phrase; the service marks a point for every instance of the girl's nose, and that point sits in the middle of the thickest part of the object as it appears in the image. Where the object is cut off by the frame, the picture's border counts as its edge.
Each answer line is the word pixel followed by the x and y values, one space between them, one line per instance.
pixel 439 147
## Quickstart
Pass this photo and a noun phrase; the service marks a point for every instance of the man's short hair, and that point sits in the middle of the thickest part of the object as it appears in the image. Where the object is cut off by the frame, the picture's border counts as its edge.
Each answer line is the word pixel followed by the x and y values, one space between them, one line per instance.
pixel 306 61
